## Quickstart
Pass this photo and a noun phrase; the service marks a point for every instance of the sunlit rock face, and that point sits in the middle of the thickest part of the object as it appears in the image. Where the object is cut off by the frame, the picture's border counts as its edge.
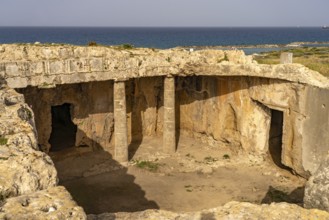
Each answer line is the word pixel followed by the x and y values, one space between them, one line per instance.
pixel 316 189
pixel 231 210
pixel 23 168
pixel 52 203
pixel 232 110
pixel 28 177
pixel 221 97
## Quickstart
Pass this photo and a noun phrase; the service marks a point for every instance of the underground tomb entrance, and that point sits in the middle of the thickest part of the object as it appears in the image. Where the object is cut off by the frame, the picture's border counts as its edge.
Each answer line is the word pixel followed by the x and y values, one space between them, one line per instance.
pixel 275 138
pixel 63 130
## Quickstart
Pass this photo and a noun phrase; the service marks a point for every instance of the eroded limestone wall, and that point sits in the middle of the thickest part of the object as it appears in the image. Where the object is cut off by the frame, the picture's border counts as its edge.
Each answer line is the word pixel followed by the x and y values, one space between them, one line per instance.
pixel 290 99
pixel 220 110
pixel 24 65
pixel 92 110
pixel 235 111
pixel 28 178
pixel 315 128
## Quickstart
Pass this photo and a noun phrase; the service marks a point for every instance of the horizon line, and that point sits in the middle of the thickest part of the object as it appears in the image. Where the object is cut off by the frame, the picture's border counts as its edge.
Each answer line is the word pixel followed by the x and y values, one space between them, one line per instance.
pixel 79 26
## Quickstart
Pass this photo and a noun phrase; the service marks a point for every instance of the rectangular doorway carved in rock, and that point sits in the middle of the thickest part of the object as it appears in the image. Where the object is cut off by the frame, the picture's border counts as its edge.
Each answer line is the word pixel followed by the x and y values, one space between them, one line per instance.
pixel 275 137
pixel 63 131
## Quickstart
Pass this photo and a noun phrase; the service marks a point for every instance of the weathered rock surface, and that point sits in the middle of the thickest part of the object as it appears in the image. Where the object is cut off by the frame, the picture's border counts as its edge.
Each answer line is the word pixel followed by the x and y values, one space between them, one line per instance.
pixel 53 203
pixel 49 65
pixel 235 107
pixel 230 211
pixel 231 110
pixel 23 168
pixel 317 188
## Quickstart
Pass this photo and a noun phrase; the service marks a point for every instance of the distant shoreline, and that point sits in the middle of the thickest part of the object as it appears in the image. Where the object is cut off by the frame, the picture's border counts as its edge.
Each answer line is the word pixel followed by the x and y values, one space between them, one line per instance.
pixel 255 50
pixel 290 45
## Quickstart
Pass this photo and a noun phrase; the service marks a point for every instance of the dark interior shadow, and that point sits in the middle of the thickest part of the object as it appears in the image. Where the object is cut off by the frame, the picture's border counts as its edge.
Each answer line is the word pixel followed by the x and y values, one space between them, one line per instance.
pixel 275 139
pixel 101 184
pixel 135 105
pixel 275 195
pixel 142 94
pixel 63 130
pixel 208 216
pixel 177 113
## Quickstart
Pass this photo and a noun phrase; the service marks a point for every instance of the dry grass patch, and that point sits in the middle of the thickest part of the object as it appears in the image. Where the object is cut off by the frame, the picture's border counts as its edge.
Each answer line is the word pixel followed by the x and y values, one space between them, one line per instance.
pixel 315 58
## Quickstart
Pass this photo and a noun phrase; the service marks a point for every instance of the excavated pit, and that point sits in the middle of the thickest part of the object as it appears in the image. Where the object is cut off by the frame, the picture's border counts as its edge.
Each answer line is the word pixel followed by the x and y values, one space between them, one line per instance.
pixel 223 136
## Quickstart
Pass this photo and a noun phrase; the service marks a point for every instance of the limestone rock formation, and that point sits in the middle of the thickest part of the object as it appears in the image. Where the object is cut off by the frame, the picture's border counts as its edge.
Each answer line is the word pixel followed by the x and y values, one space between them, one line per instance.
pixel 49 65
pixel 317 188
pixel 53 203
pixel 23 168
pixel 232 210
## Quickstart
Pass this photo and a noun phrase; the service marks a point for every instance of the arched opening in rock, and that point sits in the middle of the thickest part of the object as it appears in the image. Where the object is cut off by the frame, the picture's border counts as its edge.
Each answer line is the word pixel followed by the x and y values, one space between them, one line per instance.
pixel 275 137
pixel 63 130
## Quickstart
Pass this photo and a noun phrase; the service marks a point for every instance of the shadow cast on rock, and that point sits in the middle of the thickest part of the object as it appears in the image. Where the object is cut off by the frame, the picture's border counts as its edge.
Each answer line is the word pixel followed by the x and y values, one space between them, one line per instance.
pixel 100 184
pixel 275 195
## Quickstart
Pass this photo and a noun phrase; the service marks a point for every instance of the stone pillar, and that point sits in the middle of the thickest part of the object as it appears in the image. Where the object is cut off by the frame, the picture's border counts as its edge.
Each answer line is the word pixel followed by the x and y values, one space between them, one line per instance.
pixel 120 122
pixel 286 58
pixel 169 128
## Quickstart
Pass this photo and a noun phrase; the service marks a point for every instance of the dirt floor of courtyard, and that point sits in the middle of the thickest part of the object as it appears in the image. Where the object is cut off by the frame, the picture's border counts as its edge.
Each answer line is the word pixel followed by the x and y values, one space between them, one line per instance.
pixel 196 177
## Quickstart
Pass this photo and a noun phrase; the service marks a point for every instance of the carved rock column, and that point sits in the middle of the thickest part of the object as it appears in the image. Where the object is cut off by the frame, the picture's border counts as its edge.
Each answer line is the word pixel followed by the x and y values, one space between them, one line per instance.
pixel 169 128
pixel 120 122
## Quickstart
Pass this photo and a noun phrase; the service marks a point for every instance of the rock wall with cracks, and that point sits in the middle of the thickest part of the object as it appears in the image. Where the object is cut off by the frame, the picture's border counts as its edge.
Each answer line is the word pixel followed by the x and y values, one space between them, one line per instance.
pixel 235 111
pixel 27 175
pixel 48 66
pixel 234 94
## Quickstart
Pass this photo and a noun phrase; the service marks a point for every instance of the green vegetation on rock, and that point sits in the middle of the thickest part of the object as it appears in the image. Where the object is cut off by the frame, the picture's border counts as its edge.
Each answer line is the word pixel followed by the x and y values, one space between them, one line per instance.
pixel 148 165
pixel 3 140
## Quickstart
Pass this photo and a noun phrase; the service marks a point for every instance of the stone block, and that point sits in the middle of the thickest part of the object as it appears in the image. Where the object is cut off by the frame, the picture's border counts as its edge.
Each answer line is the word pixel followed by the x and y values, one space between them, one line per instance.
pixel 96 64
pixel 286 58
pixel 56 67
pixel 12 69
pixel 37 68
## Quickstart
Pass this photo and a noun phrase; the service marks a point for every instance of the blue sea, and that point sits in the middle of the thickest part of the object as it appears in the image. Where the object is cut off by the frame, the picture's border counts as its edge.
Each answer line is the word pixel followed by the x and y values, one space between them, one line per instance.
pixel 163 37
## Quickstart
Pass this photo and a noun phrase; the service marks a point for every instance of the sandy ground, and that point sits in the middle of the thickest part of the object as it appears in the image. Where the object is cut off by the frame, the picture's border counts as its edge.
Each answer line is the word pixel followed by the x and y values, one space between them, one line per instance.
pixel 197 177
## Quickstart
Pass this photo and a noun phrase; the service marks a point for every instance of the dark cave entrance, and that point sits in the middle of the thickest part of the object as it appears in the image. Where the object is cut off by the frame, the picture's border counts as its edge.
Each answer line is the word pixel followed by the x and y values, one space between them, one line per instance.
pixel 275 137
pixel 63 130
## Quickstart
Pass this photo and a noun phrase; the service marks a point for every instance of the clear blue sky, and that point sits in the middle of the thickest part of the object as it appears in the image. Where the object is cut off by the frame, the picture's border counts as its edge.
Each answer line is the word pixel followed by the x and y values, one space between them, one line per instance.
pixel 164 12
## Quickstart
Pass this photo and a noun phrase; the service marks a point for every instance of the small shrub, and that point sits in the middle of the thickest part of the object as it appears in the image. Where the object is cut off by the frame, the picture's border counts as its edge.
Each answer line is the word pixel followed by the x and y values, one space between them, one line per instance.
pixel 3 141
pixel 226 156
pixel 127 46
pixel 168 59
pixel 2 199
pixel 148 165
pixel 188 188
pixel 92 43
pixel 210 159
pixel 223 59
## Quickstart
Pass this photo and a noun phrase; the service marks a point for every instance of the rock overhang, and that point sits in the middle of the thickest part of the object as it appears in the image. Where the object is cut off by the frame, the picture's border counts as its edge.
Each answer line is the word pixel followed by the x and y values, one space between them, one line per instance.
pixel 44 66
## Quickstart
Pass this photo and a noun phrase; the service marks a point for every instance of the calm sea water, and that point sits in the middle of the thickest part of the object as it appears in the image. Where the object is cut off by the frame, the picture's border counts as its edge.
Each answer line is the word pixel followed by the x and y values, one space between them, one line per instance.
pixel 162 37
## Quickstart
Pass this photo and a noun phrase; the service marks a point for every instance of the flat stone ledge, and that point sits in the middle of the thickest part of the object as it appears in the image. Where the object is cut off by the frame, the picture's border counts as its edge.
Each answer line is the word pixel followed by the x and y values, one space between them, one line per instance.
pixel 43 65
